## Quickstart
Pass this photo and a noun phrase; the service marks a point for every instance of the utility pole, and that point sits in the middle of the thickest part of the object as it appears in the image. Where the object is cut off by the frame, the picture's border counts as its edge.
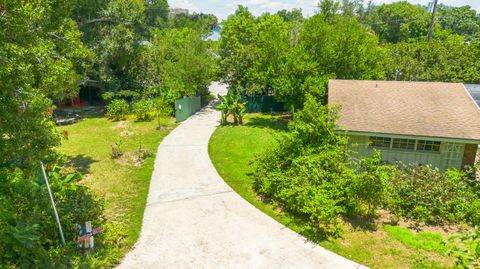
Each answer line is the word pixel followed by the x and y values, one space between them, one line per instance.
pixel 432 23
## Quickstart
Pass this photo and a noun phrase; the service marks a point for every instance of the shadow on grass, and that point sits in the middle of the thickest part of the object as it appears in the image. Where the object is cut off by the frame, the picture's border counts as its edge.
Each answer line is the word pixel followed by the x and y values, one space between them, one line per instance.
pixel 81 163
pixel 274 122
pixel 84 113
pixel 363 223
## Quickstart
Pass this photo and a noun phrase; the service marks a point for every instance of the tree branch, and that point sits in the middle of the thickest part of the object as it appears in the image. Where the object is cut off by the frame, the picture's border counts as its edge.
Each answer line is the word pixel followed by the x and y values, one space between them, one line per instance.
pixel 95 21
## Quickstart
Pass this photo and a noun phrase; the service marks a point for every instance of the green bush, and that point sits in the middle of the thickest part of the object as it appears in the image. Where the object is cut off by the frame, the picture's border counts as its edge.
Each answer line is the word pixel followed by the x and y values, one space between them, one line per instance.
pixel 427 195
pixel 310 172
pixel 28 229
pixel 118 109
pixel 142 108
pixel 163 107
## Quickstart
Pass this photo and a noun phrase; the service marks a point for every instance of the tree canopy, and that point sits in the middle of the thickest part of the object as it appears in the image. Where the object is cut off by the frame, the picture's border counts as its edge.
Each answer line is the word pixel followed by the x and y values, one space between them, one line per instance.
pixel 289 56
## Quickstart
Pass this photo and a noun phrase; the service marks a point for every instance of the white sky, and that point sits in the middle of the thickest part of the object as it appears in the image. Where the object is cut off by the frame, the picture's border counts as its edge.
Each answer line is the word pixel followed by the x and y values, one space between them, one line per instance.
pixel 222 8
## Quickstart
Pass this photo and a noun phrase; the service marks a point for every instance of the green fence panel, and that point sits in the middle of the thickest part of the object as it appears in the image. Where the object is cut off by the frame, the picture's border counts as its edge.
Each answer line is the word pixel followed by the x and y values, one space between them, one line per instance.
pixel 186 107
pixel 264 103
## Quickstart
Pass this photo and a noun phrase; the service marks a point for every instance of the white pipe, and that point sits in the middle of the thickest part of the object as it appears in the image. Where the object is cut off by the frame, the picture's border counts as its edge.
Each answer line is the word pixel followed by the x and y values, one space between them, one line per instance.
pixel 53 203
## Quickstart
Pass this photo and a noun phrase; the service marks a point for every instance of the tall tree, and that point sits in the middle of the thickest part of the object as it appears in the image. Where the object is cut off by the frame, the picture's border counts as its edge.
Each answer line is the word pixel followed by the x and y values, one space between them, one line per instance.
pixel 398 21
pixel 448 60
pixel 42 59
pixel 342 47
pixel 237 47
pixel 460 20
pixel 176 63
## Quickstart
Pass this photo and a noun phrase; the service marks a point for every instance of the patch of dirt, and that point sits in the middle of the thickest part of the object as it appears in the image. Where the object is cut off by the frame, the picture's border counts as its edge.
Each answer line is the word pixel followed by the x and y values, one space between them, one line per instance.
pixel 126 133
pixel 163 128
pixel 86 179
pixel 446 230
pixel 130 159
pixel 120 125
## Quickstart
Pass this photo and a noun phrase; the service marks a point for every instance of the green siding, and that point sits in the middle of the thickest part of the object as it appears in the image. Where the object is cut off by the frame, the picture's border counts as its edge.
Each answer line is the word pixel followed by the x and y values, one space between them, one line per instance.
pixel 450 155
pixel 186 107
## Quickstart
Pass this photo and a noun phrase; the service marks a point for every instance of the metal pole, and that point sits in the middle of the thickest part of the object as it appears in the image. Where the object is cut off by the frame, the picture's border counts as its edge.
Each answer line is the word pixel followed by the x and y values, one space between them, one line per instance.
pixel 432 23
pixel 53 203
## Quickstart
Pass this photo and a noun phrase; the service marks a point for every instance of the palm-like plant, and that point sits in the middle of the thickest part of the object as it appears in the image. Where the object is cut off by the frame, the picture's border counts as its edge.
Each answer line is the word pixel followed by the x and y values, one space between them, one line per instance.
pixel 231 104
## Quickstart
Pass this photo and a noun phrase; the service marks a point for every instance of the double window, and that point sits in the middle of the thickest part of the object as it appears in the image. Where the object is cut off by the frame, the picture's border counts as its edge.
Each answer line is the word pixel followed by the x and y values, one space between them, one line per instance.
pixel 404 144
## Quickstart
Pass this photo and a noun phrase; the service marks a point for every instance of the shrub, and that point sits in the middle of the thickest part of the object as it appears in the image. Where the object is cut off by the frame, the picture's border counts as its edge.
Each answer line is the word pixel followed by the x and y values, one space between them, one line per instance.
pixel 310 172
pixel 427 195
pixel 141 154
pixel 142 108
pixel 369 187
pixel 28 231
pixel 163 107
pixel 117 109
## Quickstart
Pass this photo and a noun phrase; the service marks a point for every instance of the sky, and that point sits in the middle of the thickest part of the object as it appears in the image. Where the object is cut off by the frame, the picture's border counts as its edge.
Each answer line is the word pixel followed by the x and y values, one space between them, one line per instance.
pixel 222 8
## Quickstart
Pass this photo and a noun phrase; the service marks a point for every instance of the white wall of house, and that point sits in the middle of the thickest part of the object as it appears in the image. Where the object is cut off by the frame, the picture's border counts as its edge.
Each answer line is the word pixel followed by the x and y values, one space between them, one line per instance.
pixel 449 154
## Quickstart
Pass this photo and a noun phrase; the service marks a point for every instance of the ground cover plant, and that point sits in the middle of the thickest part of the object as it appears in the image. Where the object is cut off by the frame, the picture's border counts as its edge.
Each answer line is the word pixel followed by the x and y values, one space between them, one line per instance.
pixel 370 243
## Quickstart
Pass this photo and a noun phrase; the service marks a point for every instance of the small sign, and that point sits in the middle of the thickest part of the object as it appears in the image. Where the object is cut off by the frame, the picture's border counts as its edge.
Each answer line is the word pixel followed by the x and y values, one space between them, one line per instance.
pixel 86 236
pixel 86 239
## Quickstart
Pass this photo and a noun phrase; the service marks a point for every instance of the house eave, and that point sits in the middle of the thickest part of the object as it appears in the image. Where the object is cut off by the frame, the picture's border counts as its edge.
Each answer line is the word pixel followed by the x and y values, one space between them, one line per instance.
pixel 419 137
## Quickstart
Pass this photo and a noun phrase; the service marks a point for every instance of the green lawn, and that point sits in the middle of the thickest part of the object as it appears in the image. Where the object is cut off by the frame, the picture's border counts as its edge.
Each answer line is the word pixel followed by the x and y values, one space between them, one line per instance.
pixel 233 148
pixel 122 183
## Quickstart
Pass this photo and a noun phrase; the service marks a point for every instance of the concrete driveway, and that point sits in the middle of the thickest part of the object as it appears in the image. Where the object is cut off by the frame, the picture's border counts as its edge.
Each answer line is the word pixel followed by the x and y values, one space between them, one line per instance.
pixel 193 219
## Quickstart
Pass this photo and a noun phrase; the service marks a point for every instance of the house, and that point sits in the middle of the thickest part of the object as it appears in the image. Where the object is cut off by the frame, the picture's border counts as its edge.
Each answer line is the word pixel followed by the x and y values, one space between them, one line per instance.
pixel 412 122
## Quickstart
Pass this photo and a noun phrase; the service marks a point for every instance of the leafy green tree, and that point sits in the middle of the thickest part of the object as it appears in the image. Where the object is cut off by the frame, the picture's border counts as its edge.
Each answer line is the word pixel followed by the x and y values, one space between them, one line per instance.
pixel 43 59
pixel 399 21
pixel 271 45
pixel 177 63
pixel 198 21
pixel 342 47
pixel 294 15
pixel 449 60
pixel 328 8
pixel 116 32
pixel 460 20
pixel 156 12
pixel 237 47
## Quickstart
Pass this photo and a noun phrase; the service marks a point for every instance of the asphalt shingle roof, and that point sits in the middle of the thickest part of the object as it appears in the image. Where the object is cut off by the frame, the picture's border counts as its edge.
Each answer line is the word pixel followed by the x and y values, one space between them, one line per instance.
pixel 430 109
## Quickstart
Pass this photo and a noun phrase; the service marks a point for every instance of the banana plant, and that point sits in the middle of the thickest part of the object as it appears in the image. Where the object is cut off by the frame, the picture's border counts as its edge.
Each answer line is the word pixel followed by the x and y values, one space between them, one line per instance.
pixel 233 105
pixel 238 110
pixel 224 107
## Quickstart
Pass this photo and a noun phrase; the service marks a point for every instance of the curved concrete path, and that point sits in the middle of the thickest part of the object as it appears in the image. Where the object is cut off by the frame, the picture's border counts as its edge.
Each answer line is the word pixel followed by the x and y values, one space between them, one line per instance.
pixel 193 219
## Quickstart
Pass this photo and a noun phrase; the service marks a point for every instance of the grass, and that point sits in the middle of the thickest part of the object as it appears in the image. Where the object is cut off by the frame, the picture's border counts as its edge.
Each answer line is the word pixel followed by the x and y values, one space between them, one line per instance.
pixel 122 183
pixel 233 148
pixel 422 240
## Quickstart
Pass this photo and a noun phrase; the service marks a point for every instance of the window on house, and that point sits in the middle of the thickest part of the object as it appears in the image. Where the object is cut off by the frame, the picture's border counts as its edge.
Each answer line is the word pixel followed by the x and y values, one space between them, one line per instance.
pixel 425 145
pixel 380 142
pixel 400 143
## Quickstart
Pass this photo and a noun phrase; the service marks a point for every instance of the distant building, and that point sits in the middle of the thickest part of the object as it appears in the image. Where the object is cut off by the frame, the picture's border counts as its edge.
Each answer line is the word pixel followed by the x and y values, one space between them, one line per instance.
pixel 177 11
pixel 411 122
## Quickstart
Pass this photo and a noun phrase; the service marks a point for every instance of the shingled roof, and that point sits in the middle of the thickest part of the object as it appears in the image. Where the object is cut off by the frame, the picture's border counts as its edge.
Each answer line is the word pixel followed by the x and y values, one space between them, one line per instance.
pixel 427 109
